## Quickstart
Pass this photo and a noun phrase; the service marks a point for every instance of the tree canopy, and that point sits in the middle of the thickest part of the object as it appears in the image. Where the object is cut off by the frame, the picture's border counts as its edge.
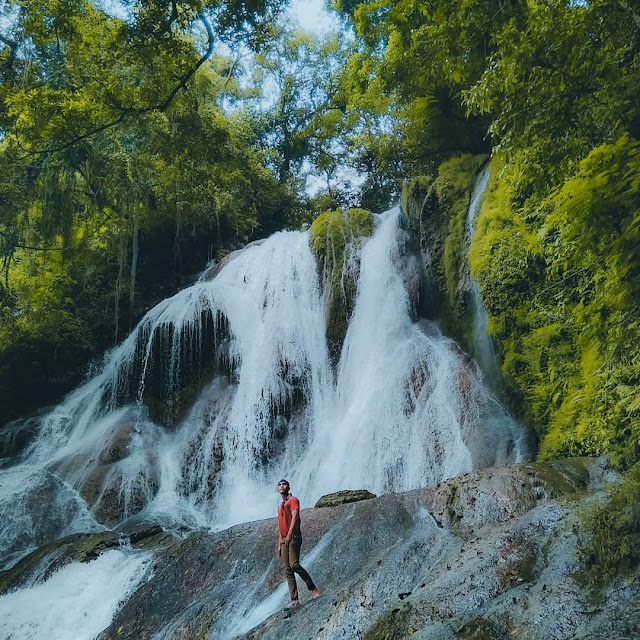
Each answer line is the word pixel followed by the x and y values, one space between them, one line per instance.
pixel 135 147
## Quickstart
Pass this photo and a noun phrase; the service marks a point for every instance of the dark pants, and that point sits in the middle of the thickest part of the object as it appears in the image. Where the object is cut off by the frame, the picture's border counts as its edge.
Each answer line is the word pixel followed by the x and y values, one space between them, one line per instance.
pixel 290 556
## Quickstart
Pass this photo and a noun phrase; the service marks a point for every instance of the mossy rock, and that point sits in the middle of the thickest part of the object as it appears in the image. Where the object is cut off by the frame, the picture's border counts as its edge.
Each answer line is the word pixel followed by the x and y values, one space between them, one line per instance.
pixel 436 212
pixel 336 238
pixel 79 547
pixel 344 497
pixel 481 629
pixel 609 536
pixel 392 625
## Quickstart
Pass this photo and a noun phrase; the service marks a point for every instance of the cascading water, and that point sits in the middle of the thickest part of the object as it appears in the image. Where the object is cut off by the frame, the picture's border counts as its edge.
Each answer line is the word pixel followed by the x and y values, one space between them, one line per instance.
pixel 484 349
pixel 404 408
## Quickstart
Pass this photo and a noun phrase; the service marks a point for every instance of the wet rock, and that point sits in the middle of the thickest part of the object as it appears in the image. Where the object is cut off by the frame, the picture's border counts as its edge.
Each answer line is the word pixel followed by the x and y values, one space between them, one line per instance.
pixel 37 507
pixel 41 563
pixel 118 446
pixel 343 497
pixel 79 547
pixel 17 435
pixel 502 563
pixel 144 535
pixel 110 490
pixel 215 269
pixel 497 495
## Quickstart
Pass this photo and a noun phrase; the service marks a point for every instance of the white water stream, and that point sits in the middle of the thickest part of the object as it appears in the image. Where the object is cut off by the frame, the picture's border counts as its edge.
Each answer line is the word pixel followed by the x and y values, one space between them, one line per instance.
pixel 484 348
pixel 78 601
pixel 405 407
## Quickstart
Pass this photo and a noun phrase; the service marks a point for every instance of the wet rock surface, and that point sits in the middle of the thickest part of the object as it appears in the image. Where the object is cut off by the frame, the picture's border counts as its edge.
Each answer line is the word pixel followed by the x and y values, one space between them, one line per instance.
pixel 215 269
pixel 40 564
pixel 486 555
pixel 17 435
pixel 343 497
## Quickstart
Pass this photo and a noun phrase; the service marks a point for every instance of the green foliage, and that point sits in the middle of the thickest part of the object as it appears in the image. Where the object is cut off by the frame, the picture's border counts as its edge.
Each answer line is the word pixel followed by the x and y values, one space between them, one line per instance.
pixel 609 542
pixel 563 78
pixel 336 237
pixel 545 80
pixel 559 278
pixel 404 82
pixel 305 122
pixel 120 175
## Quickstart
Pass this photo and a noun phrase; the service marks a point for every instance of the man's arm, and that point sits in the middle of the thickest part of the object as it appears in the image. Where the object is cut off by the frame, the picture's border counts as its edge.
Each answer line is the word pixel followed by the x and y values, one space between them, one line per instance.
pixel 279 543
pixel 294 519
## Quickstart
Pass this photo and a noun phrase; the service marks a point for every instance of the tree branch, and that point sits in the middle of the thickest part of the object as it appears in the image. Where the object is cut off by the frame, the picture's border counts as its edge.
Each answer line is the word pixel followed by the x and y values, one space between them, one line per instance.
pixel 17 245
pixel 232 69
pixel 132 111
pixel 187 76
pixel 12 45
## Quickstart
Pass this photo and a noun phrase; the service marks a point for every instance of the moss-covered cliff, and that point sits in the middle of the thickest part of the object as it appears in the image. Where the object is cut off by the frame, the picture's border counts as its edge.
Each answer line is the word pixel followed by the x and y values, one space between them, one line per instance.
pixel 558 275
pixel 436 210
pixel 336 237
pixel 559 278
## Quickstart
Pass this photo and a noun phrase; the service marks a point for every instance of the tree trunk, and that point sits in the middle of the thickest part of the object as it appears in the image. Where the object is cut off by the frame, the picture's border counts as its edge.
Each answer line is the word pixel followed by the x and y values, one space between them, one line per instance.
pixel 134 267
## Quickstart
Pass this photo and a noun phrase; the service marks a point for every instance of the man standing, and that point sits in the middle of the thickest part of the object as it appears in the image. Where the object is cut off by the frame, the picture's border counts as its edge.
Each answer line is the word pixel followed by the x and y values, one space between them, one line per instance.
pixel 289 543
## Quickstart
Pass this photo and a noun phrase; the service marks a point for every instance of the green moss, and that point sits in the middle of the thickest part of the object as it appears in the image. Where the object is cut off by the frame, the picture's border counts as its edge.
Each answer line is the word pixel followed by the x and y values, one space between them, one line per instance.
pixel 414 195
pixel 343 497
pixel 336 236
pixel 480 629
pixel 436 211
pixel 559 276
pixel 203 634
pixel 609 542
pixel 393 625
pixel 563 477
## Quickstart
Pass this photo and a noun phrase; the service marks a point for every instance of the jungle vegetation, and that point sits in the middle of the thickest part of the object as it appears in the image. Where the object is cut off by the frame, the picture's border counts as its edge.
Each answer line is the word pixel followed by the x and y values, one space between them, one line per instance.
pixel 134 148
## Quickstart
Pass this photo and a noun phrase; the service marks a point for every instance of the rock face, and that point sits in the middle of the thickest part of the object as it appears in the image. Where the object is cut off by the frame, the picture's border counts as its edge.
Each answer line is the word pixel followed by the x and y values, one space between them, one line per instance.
pixel 343 497
pixel 79 547
pixel 215 269
pixel 487 555
pixel 16 436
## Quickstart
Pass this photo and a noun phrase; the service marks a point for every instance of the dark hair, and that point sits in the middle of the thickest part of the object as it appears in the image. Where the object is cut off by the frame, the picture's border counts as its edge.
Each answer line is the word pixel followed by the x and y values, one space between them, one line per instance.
pixel 284 481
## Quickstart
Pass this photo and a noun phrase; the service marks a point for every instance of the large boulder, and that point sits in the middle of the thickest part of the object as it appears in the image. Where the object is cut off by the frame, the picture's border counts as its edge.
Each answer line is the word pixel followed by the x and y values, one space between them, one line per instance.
pixel 343 497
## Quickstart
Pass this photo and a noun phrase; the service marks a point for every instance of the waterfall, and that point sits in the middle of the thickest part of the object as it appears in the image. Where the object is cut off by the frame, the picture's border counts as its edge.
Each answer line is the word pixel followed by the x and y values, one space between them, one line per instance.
pixel 404 408
pixel 78 601
pixel 483 346
pixel 484 349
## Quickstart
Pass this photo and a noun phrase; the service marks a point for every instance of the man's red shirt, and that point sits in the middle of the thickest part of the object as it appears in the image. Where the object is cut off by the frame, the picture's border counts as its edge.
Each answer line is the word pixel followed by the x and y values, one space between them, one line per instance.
pixel 285 516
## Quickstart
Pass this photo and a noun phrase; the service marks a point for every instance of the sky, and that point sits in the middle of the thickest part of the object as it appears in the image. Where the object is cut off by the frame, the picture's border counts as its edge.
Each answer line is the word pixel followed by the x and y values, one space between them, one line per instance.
pixel 312 16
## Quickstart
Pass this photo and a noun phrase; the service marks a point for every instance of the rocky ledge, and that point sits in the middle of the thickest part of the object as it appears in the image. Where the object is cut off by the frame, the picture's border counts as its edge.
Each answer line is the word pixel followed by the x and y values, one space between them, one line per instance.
pixel 491 555
pixel 343 497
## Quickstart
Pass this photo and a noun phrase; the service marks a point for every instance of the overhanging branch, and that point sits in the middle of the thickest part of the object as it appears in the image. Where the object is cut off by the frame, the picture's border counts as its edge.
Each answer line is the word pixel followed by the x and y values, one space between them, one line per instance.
pixel 134 111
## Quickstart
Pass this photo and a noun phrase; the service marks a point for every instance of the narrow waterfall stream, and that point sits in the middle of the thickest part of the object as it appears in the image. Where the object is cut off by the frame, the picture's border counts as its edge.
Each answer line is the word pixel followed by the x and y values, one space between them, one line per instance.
pixel 404 408
pixel 484 349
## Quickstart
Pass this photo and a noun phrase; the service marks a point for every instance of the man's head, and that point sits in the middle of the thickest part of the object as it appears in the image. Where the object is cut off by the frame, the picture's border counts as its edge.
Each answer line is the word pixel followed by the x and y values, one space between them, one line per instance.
pixel 283 487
